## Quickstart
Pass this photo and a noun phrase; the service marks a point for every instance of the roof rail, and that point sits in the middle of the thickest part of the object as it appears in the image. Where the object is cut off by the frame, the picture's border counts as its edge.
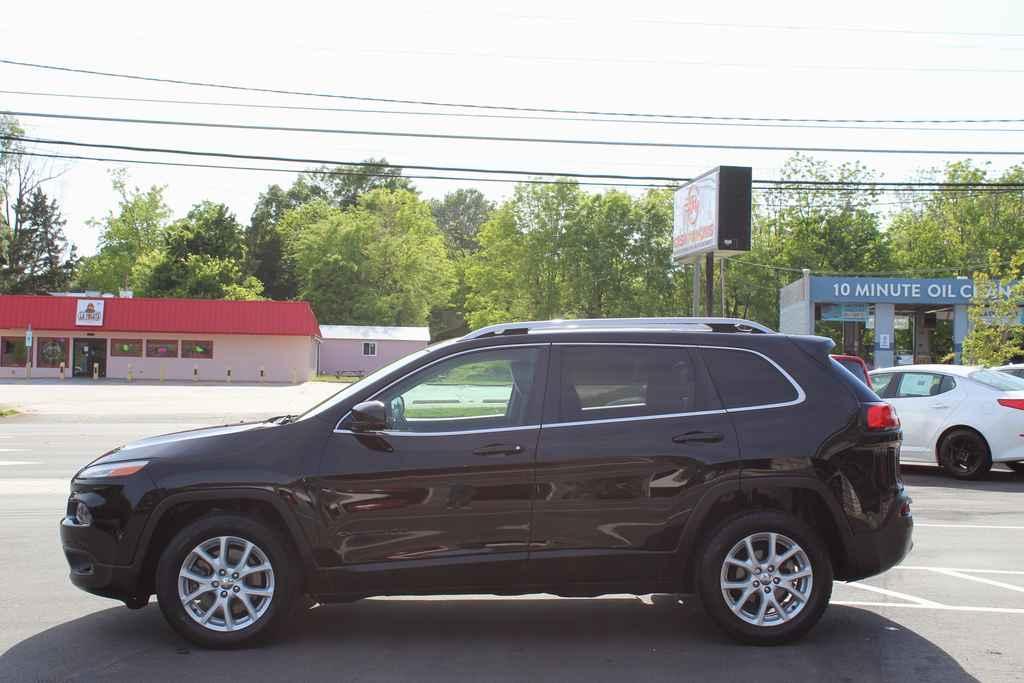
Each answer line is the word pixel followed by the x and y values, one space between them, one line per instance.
pixel 681 324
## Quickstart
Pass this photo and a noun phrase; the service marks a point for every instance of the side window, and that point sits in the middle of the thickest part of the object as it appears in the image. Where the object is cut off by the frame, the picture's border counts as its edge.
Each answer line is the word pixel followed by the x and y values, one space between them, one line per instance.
pixel 948 384
pixel 745 379
pixel 882 383
pixel 605 382
pixel 369 348
pixel 478 390
pixel 919 384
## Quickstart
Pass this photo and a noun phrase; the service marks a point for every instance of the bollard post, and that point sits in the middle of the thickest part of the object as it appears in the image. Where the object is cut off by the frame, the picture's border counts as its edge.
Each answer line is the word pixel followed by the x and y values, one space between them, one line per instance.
pixel 261 374
pixel 95 370
pixel 61 375
pixel 229 375
pixel 161 372
pixel 294 377
pixel 195 373
pixel 129 372
pixel 28 369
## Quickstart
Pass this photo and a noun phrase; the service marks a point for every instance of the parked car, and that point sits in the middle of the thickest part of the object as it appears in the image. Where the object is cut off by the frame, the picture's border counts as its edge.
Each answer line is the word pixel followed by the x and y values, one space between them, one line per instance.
pixel 962 417
pixel 855 364
pixel 1017 369
pixel 577 458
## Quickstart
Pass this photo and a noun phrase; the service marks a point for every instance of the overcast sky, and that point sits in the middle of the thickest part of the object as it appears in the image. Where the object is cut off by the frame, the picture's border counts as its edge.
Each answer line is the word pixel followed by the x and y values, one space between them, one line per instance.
pixel 874 60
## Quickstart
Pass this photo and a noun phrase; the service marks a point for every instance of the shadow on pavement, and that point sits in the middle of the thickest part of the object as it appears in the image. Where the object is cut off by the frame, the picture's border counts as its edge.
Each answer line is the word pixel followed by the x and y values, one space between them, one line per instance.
pixel 564 640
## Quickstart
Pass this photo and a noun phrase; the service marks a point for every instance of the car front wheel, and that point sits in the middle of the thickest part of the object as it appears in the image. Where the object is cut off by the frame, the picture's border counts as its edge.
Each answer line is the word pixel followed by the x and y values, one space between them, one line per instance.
pixel 225 581
pixel 765 578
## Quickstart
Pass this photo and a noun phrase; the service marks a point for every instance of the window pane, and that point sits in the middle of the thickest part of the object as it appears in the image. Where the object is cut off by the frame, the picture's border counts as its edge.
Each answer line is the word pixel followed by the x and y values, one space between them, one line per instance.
pixel 914 384
pixel 162 348
pixel 998 380
pixel 483 389
pixel 196 349
pixel 131 348
pixel 13 353
pixel 52 351
pixel 745 379
pixel 880 383
pixel 369 348
pixel 623 381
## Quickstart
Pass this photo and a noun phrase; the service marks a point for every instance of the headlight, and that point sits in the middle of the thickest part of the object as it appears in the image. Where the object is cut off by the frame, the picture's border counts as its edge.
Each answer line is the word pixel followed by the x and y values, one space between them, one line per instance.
pixel 112 470
pixel 83 514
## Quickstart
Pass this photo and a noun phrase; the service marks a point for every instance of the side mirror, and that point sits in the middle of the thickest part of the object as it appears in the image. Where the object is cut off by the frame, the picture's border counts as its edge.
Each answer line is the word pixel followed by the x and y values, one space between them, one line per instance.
pixel 369 416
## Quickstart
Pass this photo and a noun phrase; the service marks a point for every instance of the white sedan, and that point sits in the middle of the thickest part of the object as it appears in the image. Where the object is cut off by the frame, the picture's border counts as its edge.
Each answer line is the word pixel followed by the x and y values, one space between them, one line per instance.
pixel 962 417
pixel 1017 369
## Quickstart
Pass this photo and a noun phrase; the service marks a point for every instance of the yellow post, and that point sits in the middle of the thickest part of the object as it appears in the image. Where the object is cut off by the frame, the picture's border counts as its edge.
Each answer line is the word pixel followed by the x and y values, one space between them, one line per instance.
pixel 161 372
pixel 62 370
pixel 129 372
pixel 195 373
pixel 261 374
pixel 28 369
pixel 95 370
pixel 229 375
pixel 295 379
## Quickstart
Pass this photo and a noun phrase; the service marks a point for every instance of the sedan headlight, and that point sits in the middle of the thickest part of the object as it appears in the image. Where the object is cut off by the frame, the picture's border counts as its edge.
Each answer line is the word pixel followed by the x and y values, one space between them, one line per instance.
pixel 112 470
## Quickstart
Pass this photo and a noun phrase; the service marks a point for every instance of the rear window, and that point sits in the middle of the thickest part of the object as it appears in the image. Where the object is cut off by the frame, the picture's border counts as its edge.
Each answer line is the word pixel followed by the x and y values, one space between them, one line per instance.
pixel 746 379
pixel 998 380
pixel 853 366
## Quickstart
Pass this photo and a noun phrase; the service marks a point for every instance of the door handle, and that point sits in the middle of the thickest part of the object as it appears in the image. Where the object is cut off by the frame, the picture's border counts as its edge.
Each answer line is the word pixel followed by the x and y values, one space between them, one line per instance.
pixel 499 449
pixel 940 407
pixel 698 437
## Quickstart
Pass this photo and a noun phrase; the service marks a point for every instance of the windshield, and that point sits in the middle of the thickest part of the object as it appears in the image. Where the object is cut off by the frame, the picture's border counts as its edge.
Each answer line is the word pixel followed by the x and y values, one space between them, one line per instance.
pixel 351 389
pixel 998 380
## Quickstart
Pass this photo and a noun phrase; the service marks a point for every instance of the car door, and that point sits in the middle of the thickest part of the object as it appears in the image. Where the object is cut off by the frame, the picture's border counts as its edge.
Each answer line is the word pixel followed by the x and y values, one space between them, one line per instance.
pixel 442 496
pixel 923 401
pixel 632 436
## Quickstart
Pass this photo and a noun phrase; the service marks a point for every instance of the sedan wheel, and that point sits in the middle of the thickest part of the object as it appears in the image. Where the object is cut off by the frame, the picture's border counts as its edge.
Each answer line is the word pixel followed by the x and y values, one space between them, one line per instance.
pixel 965 455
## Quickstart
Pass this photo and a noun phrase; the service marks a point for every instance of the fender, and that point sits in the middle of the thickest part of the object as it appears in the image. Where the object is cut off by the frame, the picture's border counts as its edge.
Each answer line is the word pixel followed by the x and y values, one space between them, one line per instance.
pixel 225 494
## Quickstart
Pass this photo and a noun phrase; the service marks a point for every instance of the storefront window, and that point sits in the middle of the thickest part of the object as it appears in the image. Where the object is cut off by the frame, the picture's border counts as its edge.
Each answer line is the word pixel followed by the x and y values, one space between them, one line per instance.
pixel 51 351
pixel 162 348
pixel 131 348
pixel 196 349
pixel 13 353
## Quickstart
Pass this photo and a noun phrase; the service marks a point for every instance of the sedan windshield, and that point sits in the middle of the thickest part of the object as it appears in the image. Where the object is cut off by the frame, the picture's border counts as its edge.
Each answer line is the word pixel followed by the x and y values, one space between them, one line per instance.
pixel 998 380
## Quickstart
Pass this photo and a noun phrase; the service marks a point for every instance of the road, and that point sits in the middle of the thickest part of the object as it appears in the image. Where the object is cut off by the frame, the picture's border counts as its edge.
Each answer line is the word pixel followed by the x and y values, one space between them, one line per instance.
pixel 953 612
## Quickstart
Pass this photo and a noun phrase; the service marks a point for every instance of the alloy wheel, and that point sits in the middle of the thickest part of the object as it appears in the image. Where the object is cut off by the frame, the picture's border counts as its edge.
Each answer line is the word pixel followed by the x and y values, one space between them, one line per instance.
pixel 226 583
pixel 766 579
pixel 964 453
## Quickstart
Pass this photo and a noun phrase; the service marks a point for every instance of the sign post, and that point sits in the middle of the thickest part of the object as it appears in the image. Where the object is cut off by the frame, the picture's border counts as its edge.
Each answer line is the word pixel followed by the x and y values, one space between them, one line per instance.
pixel 711 215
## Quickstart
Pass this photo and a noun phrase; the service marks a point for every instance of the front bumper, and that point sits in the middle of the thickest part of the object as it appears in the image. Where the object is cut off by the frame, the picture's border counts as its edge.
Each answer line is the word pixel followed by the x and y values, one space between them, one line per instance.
pixel 873 552
pixel 119 582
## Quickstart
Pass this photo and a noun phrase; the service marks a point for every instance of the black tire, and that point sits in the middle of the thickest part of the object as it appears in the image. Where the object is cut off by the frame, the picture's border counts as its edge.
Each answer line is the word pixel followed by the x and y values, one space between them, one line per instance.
pixel 286 580
pixel 964 454
pixel 1017 467
pixel 731 535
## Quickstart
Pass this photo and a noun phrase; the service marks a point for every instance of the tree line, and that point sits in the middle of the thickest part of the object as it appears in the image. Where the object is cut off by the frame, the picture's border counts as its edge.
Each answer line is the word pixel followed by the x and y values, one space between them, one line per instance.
pixel 364 247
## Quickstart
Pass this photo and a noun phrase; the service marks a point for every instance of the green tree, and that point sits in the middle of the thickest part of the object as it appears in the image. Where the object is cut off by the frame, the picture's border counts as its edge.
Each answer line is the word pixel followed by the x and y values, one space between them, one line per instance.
pixel 201 256
pixel 459 216
pixel 996 335
pixel 381 262
pixel 127 236
pixel 344 185
pixel 265 245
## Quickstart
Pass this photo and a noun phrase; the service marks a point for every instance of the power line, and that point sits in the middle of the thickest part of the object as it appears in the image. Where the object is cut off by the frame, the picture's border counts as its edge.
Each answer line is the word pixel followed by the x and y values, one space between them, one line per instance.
pixel 911 271
pixel 516 117
pixel 502 138
pixel 434 103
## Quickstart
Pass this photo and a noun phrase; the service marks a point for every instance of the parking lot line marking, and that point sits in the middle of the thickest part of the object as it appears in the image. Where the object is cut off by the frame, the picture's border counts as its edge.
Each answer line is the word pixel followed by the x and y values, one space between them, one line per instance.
pixel 979 579
pixel 969 526
pixel 19 462
pixel 948 608
pixel 892 594
pixel 1012 572
pixel 13 450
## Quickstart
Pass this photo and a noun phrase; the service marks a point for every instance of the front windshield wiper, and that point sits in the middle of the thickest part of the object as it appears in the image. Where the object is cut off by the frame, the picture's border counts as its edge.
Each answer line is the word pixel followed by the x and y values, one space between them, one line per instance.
pixel 282 419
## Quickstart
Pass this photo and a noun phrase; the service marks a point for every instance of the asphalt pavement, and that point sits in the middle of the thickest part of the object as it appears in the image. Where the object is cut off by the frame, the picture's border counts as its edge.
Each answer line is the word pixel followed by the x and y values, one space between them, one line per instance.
pixel 954 611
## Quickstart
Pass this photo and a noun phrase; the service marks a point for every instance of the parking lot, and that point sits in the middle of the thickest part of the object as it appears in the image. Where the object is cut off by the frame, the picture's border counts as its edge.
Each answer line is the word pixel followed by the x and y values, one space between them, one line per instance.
pixel 953 611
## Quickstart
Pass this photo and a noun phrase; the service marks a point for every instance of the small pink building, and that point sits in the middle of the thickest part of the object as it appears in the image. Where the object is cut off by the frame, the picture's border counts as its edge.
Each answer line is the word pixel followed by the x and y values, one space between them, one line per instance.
pixel 154 339
pixel 361 349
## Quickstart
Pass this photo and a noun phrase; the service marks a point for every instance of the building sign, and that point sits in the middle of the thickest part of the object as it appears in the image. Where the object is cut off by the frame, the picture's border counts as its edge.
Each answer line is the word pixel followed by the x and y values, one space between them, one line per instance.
pixel 89 312
pixel 893 290
pixel 844 312
pixel 712 214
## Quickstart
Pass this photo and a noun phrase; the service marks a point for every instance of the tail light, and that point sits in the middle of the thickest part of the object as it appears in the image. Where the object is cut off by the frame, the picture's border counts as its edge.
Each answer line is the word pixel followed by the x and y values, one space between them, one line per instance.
pixel 881 416
pixel 1017 403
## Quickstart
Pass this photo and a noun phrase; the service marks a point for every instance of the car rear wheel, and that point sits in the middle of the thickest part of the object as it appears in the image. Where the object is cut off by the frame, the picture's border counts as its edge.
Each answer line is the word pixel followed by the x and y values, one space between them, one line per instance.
pixel 765 578
pixel 225 581
pixel 964 454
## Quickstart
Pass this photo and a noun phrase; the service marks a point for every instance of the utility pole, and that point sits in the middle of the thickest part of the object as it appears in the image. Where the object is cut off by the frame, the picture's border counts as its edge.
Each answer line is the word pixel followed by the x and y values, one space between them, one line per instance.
pixel 695 309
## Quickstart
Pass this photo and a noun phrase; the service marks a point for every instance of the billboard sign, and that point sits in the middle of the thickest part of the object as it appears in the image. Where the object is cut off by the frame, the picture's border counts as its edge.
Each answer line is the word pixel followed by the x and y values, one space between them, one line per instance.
pixel 711 214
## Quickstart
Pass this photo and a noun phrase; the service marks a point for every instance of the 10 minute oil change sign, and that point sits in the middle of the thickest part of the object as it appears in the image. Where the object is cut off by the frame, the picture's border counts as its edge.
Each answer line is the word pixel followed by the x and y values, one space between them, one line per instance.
pixel 893 290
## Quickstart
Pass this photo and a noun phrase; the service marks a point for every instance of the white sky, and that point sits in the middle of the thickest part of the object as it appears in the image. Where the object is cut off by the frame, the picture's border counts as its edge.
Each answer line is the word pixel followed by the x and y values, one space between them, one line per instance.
pixel 636 57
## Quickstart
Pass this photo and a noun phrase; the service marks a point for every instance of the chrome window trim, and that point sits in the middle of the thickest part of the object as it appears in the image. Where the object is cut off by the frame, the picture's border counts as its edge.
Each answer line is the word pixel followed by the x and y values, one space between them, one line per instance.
pixel 800 398
pixel 380 391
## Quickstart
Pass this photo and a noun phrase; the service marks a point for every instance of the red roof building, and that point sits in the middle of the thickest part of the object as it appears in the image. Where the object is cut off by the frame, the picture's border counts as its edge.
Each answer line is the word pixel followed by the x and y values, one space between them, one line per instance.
pixel 157 338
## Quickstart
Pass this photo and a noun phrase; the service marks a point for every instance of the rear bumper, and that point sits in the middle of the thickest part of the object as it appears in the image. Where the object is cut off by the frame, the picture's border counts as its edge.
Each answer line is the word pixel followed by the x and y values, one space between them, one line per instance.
pixel 119 582
pixel 873 552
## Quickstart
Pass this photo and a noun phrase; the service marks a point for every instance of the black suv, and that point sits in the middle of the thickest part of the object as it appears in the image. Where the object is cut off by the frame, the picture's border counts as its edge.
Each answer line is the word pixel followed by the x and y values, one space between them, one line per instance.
pixel 578 458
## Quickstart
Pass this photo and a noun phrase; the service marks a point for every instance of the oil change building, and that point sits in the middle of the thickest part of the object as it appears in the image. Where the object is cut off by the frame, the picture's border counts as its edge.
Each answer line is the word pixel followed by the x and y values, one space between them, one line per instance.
pixel 153 339
pixel 887 321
